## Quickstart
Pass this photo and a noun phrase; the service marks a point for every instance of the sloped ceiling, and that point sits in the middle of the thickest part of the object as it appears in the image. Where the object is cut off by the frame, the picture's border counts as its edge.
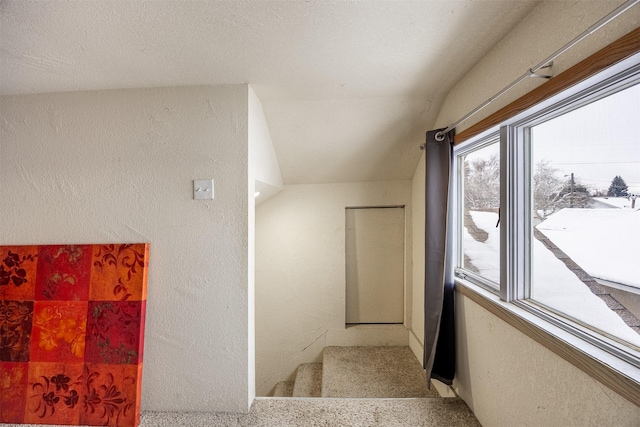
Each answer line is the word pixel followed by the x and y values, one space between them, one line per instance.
pixel 348 87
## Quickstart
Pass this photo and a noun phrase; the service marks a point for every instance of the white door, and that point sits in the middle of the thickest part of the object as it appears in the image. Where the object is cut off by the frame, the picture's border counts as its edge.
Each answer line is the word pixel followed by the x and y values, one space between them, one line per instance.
pixel 375 265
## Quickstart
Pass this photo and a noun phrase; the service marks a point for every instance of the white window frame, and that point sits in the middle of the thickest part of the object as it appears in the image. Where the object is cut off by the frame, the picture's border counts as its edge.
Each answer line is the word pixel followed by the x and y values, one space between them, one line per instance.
pixel 604 354
pixel 457 204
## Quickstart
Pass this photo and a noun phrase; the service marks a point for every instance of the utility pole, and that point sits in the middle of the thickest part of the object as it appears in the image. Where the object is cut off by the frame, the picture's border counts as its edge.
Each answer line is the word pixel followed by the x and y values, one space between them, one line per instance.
pixel 571 200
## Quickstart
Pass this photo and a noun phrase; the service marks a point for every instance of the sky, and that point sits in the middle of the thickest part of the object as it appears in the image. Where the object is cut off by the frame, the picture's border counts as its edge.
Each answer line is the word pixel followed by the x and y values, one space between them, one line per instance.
pixel 595 142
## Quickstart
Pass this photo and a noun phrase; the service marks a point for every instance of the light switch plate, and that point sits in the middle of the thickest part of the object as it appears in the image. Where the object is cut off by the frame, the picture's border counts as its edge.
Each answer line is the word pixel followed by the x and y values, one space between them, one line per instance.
pixel 203 189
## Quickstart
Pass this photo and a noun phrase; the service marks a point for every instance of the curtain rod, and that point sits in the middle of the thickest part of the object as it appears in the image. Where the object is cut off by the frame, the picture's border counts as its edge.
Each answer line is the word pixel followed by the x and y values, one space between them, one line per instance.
pixel 547 62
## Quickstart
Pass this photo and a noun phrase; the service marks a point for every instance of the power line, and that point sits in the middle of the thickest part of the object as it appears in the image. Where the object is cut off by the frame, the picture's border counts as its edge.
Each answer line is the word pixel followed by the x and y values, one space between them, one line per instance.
pixel 596 181
pixel 596 163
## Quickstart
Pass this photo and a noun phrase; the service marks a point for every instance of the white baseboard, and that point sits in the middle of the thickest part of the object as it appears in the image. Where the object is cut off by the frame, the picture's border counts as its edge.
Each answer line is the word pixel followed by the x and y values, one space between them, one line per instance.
pixel 415 344
pixel 373 335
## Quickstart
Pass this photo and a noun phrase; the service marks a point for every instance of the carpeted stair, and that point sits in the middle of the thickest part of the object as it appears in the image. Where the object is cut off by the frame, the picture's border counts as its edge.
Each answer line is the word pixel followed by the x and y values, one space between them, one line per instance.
pixel 360 372
pixel 373 372
pixel 284 389
pixel 355 386
pixel 308 381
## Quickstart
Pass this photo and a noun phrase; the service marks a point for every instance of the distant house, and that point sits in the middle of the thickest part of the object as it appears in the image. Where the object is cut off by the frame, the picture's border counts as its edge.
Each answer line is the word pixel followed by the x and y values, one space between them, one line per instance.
pixel 613 202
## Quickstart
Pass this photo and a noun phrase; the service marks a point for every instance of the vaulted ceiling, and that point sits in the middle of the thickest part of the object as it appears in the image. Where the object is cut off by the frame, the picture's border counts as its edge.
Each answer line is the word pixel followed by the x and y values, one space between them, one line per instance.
pixel 348 87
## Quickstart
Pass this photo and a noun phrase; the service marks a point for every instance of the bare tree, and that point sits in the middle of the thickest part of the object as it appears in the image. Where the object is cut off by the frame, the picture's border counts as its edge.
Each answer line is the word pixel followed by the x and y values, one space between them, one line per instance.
pixel 482 183
pixel 546 189
pixel 574 195
pixel 552 193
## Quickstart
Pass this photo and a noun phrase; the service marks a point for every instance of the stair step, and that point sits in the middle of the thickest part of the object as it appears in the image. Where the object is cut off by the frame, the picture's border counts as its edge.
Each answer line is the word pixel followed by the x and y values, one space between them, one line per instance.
pixel 373 372
pixel 283 389
pixel 308 380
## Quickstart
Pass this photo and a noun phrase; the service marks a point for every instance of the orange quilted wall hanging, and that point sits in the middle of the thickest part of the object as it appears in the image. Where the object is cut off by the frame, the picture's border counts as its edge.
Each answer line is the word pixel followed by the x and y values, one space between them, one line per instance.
pixel 72 333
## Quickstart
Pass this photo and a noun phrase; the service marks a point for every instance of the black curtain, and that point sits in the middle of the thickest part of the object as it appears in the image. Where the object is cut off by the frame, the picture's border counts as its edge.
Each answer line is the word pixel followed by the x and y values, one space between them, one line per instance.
pixel 439 339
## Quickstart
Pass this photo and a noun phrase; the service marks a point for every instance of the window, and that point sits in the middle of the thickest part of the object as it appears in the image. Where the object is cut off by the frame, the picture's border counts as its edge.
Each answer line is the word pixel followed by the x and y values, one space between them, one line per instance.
pixel 568 245
pixel 479 187
pixel 585 222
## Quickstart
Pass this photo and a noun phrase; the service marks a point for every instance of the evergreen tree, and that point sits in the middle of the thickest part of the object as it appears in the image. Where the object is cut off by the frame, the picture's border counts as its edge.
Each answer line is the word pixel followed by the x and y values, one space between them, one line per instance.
pixel 618 187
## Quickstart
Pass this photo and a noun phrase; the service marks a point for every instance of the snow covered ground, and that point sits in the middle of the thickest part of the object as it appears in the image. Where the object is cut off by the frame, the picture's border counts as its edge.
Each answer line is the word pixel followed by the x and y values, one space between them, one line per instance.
pixel 485 256
pixel 554 285
pixel 604 242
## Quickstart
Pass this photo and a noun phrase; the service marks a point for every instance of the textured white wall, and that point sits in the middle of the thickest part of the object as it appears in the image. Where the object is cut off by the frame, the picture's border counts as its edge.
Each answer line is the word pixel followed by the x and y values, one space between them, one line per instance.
pixel 505 377
pixel 545 30
pixel 262 155
pixel 117 166
pixel 418 214
pixel 300 269
pixel 264 175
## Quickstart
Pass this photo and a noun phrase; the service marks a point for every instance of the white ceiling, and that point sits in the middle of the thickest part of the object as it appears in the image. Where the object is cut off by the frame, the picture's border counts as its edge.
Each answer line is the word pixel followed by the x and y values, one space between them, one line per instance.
pixel 348 87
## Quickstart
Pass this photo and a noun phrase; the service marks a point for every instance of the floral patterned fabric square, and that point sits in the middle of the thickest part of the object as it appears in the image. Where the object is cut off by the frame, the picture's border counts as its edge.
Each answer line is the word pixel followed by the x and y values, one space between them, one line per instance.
pixel 63 273
pixel 16 320
pixel 13 389
pixel 71 333
pixel 114 332
pixel 18 272
pixel 59 331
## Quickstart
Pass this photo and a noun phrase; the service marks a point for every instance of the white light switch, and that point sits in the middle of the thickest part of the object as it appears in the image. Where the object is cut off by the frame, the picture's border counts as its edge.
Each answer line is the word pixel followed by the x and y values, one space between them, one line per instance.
pixel 203 189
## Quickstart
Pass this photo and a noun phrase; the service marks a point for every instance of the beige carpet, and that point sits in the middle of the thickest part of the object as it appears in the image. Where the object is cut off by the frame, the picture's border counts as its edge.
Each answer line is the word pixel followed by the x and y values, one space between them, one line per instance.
pixel 284 389
pixel 373 372
pixel 308 380
pixel 289 412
